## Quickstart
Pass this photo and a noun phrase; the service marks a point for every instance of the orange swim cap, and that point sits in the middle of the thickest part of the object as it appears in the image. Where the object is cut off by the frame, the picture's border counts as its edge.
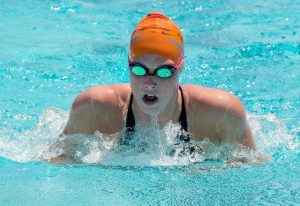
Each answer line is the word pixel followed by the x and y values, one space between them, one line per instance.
pixel 157 34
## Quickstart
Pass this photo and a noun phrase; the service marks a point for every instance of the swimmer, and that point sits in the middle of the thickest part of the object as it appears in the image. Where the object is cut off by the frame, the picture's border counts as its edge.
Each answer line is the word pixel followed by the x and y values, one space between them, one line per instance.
pixel 155 62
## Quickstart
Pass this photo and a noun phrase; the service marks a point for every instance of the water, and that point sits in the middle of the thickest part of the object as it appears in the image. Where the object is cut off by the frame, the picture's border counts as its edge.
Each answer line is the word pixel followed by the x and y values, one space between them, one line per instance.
pixel 50 51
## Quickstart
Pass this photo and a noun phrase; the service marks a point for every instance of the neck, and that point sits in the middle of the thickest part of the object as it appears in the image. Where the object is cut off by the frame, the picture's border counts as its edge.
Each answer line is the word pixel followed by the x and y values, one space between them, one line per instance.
pixel 170 113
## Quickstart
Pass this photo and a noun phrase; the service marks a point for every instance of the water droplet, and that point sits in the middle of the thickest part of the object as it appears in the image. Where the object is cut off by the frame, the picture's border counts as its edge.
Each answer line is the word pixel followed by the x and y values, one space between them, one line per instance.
pixel 53 8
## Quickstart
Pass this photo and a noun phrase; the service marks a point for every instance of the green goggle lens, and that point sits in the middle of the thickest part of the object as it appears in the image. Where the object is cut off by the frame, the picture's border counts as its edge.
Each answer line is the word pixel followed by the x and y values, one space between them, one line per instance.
pixel 163 72
pixel 138 71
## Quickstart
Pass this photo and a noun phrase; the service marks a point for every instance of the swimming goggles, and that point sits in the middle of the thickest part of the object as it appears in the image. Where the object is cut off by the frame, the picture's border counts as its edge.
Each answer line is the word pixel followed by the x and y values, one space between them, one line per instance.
pixel 164 71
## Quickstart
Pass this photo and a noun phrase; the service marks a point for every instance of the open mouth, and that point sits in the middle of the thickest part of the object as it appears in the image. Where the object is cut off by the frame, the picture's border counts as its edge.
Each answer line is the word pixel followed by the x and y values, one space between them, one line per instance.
pixel 150 99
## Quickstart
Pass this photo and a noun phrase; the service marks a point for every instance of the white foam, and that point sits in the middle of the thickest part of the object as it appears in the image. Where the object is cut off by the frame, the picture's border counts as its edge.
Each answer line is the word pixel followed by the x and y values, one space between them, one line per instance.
pixel 272 134
pixel 29 145
pixel 149 146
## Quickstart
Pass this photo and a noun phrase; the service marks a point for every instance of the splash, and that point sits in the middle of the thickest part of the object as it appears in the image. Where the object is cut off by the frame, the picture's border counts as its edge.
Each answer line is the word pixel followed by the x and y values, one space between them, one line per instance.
pixel 273 137
pixel 149 146
pixel 29 145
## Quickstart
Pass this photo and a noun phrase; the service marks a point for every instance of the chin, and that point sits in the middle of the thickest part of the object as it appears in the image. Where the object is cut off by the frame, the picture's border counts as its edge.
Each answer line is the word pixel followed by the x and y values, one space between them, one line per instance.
pixel 154 108
pixel 151 110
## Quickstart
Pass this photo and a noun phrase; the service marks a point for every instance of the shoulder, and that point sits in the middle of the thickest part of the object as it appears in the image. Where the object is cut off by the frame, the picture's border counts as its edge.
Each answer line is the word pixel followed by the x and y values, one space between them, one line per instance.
pixel 213 99
pixel 97 107
pixel 218 114
pixel 102 95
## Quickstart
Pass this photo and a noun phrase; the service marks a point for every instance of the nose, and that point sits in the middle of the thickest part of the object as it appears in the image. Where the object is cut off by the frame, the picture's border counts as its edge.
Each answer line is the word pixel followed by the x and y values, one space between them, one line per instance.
pixel 149 83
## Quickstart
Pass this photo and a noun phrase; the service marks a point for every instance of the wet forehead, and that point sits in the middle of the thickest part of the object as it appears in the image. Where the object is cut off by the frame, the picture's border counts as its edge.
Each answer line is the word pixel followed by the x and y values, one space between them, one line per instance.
pixel 153 61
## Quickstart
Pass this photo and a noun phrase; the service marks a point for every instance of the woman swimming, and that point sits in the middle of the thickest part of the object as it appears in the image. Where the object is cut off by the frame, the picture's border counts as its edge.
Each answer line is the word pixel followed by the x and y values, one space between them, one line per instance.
pixel 156 59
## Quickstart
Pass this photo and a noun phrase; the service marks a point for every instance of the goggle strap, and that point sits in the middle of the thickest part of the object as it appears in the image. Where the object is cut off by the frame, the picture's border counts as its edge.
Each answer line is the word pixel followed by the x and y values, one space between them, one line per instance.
pixel 177 65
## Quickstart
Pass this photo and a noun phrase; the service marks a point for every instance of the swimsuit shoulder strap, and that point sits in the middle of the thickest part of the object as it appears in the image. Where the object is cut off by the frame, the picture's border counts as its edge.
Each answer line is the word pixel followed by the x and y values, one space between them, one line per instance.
pixel 130 121
pixel 182 117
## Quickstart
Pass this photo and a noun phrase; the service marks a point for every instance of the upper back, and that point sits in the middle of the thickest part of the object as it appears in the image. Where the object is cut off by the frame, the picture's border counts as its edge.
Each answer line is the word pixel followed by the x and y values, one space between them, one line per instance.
pixel 104 108
pixel 101 108
pixel 208 109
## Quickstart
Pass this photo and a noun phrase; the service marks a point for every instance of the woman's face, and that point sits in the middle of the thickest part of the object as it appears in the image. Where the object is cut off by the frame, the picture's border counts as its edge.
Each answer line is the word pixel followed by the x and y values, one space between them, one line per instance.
pixel 153 93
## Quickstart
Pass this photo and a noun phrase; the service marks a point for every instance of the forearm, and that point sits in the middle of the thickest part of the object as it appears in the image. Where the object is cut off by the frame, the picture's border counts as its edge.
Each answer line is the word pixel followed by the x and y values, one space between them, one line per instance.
pixel 61 159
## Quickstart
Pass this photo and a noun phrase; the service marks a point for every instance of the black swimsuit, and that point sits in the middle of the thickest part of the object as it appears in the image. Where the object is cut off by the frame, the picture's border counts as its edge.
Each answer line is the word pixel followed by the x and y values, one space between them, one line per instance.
pixel 130 121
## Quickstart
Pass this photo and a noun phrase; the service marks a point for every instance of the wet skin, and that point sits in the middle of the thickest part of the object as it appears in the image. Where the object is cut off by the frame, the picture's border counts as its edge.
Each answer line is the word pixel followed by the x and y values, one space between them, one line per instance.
pixel 211 112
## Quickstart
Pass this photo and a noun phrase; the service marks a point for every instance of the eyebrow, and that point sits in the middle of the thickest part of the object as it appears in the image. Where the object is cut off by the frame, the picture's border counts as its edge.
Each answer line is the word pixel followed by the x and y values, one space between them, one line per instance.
pixel 139 64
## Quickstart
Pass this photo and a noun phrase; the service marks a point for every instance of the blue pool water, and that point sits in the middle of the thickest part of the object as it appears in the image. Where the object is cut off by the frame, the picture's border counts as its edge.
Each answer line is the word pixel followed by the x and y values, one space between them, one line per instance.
pixel 50 51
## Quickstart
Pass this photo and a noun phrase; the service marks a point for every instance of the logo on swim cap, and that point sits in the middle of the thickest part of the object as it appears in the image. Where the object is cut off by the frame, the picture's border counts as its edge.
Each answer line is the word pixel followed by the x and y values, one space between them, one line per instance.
pixel 176 43
pixel 163 32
